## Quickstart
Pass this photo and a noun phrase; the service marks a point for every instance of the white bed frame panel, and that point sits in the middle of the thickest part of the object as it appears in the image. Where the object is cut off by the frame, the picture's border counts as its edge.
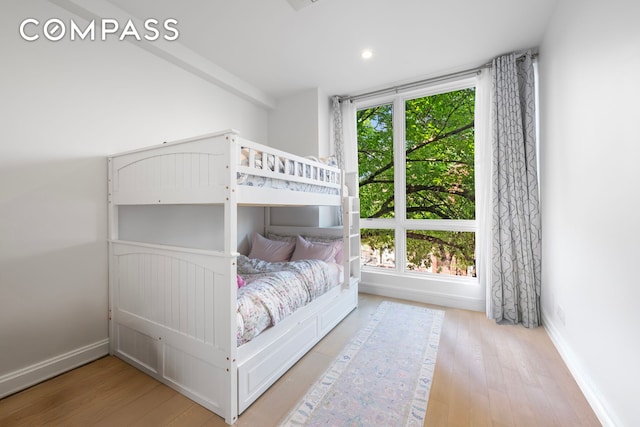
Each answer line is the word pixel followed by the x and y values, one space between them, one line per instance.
pixel 173 309
pixel 170 316
pixel 203 170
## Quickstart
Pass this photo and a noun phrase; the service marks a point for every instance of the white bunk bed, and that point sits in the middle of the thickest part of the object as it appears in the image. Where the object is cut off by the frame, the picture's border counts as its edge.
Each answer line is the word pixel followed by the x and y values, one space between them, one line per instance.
pixel 173 308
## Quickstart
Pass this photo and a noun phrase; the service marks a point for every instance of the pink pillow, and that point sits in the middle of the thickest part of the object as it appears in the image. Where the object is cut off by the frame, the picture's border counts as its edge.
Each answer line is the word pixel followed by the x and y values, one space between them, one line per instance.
pixel 240 281
pixel 335 241
pixel 309 250
pixel 270 250
pixel 338 245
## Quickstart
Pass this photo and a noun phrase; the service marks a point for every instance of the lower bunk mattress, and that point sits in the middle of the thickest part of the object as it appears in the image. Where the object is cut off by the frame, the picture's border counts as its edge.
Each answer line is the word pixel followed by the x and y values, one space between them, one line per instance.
pixel 270 291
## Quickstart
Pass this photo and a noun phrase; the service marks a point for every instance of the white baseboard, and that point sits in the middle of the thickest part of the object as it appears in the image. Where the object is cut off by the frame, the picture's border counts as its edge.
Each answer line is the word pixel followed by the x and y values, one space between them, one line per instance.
pixel 426 297
pixel 26 377
pixel 591 393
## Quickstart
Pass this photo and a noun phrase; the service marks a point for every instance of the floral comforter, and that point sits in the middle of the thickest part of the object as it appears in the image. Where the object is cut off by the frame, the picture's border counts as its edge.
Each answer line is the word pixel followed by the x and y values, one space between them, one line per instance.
pixel 275 290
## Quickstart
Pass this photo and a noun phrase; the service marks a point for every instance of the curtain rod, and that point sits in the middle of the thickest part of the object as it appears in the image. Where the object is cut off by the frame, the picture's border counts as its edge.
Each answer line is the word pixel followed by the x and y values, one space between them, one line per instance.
pixel 423 82
pixel 416 84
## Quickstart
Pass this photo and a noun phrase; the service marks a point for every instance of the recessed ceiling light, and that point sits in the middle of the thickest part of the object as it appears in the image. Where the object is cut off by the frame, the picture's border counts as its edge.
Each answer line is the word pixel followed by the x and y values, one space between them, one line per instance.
pixel 366 54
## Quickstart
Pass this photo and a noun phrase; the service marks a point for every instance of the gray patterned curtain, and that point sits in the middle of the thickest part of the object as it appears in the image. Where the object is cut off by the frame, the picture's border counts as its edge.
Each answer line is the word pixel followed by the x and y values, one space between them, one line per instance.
pixel 338 131
pixel 516 252
pixel 338 142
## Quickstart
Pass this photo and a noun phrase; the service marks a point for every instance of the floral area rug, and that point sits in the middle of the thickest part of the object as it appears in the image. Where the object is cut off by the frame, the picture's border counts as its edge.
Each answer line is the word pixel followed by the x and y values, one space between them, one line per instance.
pixel 382 377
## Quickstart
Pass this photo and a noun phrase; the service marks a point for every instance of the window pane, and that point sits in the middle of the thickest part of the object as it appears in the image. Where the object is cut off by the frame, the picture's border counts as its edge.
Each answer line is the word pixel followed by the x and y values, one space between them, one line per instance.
pixel 441 252
pixel 375 161
pixel 377 248
pixel 440 157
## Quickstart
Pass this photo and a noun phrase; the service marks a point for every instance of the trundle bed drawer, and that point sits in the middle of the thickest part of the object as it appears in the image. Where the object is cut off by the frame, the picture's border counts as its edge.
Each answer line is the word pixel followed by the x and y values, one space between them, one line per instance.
pixel 262 370
pixel 336 311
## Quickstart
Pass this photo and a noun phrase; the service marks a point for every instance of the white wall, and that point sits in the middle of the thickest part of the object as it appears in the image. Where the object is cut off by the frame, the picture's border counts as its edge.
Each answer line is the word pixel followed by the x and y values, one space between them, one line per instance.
pixel 202 228
pixel 65 106
pixel 300 124
pixel 590 146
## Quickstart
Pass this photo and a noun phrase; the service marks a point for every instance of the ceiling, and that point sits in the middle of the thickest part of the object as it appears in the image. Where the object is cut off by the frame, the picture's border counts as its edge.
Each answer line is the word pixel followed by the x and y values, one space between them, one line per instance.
pixel 279 51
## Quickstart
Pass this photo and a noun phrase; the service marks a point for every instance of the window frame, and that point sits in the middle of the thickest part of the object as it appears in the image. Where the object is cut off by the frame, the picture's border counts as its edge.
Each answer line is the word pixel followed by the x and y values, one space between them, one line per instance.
pixel 400 223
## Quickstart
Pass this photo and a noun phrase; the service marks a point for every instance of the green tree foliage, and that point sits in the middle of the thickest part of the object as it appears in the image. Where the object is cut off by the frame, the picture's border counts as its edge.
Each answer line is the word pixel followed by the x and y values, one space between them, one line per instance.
pixel 375 161
pixel 453 250
pixel 439 165
pixel 440 156
pixel 378 239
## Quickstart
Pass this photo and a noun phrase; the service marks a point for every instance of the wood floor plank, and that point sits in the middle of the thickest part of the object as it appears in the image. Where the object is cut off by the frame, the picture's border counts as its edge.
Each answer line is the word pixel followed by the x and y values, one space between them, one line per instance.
pixel 437 414
pixel 540 403
pixel 51 402
pixel 111 402
pixel 500 407
pixel 479 416
pixel 166 413
pixel 139 407
pixel 485 375
pixel 459 392
pixel 32 396
pixel 196 415
pixel 493 370
pixel 95 392
pixel 518 402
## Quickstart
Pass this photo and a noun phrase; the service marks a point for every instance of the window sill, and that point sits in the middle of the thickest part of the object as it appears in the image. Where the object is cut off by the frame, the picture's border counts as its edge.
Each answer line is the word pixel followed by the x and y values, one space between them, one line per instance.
pixel 450 291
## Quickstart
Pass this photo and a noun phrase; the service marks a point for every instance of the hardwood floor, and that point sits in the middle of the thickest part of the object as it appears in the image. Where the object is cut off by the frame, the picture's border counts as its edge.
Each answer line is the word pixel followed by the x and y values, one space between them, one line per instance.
pixel 486 375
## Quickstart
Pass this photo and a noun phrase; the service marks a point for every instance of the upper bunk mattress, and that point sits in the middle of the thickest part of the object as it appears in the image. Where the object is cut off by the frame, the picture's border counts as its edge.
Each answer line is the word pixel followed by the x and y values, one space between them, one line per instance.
pixel 253 161
pixel 279 184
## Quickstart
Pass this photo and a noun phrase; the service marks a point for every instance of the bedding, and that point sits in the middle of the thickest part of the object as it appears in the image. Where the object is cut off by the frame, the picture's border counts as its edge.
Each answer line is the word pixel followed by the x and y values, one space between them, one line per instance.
pixel 272 291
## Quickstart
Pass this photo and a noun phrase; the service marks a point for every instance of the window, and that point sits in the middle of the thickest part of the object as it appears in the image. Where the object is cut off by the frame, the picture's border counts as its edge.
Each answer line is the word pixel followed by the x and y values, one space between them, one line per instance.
pixel 416 182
